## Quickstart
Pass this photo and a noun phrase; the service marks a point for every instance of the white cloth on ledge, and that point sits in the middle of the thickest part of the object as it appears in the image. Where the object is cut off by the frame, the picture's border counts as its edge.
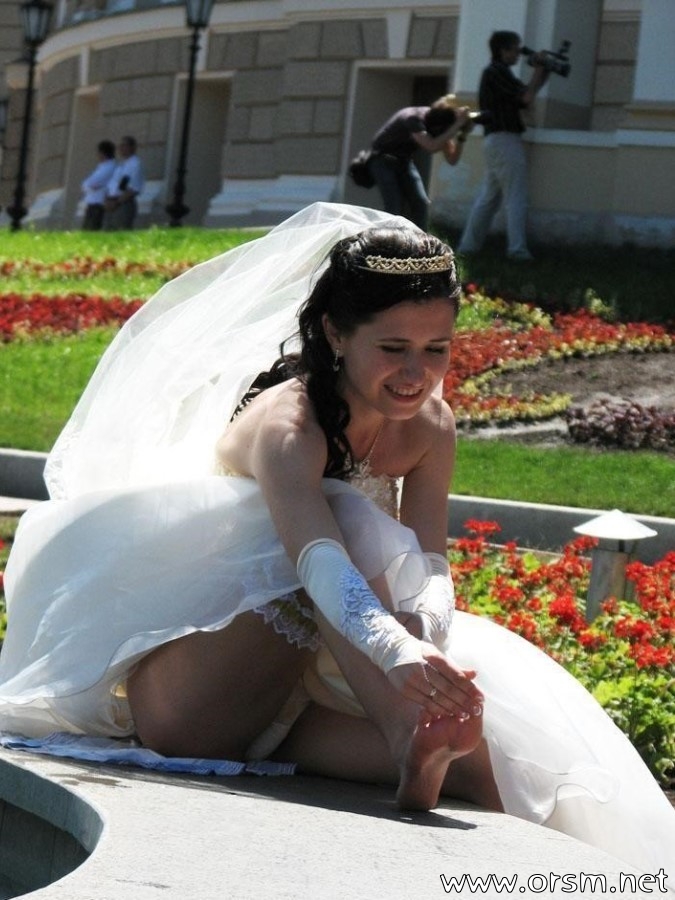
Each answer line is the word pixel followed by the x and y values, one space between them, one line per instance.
pixel 130 753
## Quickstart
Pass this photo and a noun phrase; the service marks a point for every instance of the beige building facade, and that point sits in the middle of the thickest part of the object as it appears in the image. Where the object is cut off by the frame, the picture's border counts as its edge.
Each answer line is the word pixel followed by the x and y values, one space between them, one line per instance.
pixel 287 91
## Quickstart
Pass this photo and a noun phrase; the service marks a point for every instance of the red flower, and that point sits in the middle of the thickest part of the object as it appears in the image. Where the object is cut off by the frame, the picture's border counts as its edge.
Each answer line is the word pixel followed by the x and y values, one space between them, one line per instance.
pixel 591 641
pixel 476 526
pixel 646 655
pixel 523 625
pixel 534 604
pixel 564 610
pixel 635 630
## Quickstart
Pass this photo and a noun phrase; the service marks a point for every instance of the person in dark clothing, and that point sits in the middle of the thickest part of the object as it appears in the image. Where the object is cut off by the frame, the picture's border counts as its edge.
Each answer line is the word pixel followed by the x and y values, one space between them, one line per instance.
pixel 440 127
pixel 504 97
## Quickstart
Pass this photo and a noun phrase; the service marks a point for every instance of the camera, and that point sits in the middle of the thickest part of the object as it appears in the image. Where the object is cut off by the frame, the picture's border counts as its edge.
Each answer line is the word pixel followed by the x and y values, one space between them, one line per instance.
pixel 438 119
pixel 483 117
pixel 553 61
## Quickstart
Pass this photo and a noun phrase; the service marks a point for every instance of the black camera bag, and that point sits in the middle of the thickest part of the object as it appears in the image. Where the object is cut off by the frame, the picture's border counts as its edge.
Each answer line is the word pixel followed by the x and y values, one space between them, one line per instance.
pixel 359 170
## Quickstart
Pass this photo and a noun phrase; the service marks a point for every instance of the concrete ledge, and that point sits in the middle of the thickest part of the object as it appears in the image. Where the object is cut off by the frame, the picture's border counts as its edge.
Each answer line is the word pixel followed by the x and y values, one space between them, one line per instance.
pixel 46 831
pixel 535 525
pixel 21 474
pixel 293 837
pixel 544 527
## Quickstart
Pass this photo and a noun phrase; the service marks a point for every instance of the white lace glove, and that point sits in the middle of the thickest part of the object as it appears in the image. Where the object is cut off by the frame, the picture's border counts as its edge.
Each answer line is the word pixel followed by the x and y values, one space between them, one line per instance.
pixel 343 596
pixel 436 604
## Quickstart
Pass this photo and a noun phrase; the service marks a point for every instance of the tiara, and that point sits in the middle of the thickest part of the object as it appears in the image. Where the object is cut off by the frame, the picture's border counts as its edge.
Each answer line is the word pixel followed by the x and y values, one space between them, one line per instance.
pixel 421 265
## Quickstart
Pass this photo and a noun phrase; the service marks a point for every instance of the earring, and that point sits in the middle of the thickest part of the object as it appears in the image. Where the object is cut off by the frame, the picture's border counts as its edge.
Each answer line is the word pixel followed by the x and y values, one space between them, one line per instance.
pixel 336 361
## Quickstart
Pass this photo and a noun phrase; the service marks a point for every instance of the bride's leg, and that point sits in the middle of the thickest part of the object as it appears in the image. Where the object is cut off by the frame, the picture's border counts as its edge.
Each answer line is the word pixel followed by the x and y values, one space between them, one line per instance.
pixel 422 748
pixel 209 694
pixel 337 745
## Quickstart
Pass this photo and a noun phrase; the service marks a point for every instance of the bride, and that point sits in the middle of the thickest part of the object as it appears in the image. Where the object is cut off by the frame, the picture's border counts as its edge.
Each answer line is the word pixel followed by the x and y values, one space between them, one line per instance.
pixel 246 558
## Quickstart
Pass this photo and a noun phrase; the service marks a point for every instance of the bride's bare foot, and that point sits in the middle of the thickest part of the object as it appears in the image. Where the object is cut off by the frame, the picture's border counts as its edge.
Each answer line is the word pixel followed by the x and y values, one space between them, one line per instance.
pixel 434 745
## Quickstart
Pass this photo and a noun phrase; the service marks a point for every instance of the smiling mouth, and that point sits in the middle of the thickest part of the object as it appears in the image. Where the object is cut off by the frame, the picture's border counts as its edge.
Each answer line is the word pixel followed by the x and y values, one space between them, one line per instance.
pixel 404 393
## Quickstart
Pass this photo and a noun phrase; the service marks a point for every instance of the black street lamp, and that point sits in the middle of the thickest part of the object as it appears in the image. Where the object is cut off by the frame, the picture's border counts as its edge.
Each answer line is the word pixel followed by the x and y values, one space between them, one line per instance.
pixel 36 17
pixel 4 106
pixel 197 13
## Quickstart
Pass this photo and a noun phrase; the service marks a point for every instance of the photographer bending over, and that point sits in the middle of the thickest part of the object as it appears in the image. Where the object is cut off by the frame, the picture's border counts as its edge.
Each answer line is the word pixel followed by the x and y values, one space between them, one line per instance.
pixel 441 127
pixel 504 96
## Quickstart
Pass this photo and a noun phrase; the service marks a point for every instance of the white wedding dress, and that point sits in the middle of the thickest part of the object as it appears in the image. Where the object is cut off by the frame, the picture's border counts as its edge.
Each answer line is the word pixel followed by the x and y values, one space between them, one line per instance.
pixel 141 543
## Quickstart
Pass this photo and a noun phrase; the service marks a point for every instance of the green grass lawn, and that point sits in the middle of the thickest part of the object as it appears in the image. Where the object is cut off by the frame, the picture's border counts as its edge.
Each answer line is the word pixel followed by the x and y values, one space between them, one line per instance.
pixel 40 383
pixel 639 482
pixel 152 247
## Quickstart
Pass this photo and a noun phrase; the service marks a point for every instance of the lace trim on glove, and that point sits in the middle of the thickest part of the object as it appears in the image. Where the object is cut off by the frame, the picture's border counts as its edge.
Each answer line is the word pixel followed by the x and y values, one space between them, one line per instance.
pixel 365 622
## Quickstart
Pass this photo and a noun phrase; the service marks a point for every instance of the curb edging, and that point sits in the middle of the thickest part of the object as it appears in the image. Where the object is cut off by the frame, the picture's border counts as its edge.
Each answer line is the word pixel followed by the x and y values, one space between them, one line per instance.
pixel 535 525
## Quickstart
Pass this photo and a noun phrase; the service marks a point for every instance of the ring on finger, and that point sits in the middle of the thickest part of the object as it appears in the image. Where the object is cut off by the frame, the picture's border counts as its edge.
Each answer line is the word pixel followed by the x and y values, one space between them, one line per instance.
pixel 432 693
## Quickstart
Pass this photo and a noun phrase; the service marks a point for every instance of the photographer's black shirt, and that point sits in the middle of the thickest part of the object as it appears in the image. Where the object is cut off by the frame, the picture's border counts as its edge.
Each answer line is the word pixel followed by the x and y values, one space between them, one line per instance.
pixel 501 94
pixel 395 136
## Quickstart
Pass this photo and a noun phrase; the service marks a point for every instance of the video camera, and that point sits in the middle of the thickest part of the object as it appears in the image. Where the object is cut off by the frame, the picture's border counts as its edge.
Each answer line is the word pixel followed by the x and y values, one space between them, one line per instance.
pixel 480 118
pixel 556 62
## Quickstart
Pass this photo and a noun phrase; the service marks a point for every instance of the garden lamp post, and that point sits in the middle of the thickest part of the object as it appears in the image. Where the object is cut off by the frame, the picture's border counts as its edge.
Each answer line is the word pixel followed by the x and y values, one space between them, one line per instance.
pixel 197 13
pixel 36 17
pixel 618 535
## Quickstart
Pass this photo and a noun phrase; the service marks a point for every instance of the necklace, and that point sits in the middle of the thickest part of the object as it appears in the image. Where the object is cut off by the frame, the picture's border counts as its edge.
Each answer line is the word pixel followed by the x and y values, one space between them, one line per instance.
pixel 362 468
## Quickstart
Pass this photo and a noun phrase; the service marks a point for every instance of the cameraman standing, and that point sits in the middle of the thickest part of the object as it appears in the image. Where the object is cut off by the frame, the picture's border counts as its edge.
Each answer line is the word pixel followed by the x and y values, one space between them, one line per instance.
pixel 503 96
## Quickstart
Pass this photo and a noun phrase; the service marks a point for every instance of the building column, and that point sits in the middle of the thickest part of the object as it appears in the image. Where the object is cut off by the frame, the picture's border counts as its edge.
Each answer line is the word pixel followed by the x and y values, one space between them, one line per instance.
pixel 477 20
pixel 653 106
pixel 542 25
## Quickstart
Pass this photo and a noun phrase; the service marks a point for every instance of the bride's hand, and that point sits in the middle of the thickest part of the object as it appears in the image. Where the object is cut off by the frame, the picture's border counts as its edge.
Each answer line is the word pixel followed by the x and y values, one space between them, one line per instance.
pixel 441 687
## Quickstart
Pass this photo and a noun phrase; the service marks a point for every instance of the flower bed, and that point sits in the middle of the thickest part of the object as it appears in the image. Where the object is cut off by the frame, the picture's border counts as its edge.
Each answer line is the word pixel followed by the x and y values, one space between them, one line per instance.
pixel 84 267
pixel 625 657
pixel 22 317
pixel 516 335
pixel 493 335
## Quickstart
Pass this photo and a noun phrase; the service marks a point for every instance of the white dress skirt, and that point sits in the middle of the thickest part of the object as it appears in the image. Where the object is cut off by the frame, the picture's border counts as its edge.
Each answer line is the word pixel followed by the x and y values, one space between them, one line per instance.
pixel 95 582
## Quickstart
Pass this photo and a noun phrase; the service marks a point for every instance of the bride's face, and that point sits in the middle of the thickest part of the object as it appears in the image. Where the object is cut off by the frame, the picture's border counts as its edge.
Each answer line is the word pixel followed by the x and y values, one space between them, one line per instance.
pixel 392 364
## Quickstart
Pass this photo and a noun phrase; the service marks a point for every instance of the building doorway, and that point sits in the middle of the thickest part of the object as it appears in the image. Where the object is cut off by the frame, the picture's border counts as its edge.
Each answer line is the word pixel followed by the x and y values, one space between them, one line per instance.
pixel 87 131
pixel 378 93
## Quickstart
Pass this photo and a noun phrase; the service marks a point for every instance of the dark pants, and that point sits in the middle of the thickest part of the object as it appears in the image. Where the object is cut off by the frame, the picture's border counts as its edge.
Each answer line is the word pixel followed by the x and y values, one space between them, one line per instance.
pixel 121 218
pixel 401 186
pixel 93 217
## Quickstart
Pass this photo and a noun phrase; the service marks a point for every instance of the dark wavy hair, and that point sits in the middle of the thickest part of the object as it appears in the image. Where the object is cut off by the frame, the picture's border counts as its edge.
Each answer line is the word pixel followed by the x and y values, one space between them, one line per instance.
pixel 351 294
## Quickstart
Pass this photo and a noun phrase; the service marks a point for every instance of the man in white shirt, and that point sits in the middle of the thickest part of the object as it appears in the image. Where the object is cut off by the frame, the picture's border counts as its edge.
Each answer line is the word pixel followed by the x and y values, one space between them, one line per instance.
pixel 126 184
pixel 95 185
